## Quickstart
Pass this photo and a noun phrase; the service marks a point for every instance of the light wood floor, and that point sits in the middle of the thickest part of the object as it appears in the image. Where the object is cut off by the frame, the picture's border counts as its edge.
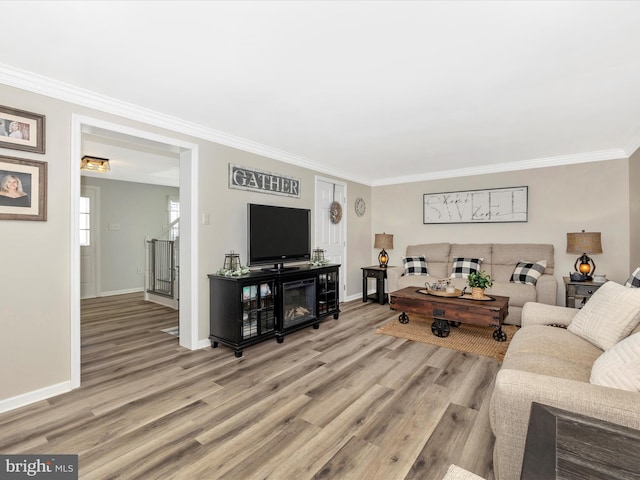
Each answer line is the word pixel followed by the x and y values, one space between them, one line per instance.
pixel 339 402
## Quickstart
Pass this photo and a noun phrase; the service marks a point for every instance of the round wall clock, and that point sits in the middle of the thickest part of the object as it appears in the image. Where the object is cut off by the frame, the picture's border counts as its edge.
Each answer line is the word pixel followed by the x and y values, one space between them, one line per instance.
pixel 360 206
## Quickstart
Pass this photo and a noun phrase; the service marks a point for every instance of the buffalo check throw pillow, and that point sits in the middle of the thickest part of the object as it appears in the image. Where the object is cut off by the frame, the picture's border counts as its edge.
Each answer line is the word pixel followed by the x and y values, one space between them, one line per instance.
pixel 528 272
pixel 415 265
pixel 462 267
pixel 634 279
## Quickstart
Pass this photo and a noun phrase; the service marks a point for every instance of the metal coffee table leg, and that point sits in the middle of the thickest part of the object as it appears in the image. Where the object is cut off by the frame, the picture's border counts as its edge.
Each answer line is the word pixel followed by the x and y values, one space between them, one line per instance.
pixel 440 328
pixel 499 335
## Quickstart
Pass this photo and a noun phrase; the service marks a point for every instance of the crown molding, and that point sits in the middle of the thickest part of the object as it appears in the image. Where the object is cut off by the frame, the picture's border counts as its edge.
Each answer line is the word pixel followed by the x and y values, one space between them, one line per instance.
pixel 612 154
pixel 633 144
pixel 62 91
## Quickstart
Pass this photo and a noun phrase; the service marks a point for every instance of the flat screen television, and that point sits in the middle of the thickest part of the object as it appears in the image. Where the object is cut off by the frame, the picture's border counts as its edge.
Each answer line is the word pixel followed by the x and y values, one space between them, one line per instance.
pixel 277 235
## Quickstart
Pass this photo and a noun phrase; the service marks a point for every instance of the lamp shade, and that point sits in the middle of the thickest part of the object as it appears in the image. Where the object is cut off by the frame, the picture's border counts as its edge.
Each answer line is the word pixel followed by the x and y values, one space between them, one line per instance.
pixel 584 242
pixel 384 241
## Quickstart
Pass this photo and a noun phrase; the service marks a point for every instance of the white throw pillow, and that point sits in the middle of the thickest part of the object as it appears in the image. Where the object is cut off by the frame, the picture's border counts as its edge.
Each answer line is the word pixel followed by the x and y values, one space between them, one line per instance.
pixel 619 367
pixel 610 315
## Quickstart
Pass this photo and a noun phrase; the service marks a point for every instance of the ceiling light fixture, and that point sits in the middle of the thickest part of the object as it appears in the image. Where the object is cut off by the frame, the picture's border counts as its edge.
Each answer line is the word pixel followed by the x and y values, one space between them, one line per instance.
pixel 95 164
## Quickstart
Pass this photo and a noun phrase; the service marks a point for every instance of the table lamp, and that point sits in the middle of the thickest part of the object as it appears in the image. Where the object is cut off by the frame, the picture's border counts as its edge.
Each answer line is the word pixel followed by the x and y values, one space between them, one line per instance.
pixel 383 240
pixel 584 243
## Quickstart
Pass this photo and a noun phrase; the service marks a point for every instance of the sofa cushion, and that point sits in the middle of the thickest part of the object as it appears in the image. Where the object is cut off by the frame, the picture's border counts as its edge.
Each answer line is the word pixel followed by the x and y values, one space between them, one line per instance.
pixel 415 266
pixel 437 255
pixel 552 351
pixel 528 272
pixel 634 279
pixel 610 315
pixel 619 367
pixel 518 293
pixel 457 473
pixel 463 266
pixel 511 253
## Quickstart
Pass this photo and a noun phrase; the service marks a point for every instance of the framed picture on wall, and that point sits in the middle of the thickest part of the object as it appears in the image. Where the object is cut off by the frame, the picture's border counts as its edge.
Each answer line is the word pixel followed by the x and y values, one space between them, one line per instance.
pixel 23 189
pixel 20 130
pixel 494 205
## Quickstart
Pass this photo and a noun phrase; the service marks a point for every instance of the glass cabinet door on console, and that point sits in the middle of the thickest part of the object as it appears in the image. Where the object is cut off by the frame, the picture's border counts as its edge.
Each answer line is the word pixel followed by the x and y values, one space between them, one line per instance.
pixel 328 298
pixel 242 311
pixel 261 305
pixel 258 314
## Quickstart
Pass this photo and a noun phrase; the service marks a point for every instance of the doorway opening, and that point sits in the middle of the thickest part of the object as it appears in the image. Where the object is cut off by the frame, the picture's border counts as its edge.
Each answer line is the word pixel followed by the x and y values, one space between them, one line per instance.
pixel 188 279
pixel 331 235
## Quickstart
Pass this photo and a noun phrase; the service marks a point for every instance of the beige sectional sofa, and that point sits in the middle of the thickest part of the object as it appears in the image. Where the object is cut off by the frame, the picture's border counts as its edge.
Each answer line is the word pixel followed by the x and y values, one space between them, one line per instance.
pixel 552 366
pixel 499 260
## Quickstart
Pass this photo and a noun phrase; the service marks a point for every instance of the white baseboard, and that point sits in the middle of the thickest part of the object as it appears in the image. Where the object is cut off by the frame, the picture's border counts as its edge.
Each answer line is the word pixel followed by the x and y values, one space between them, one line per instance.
pixel 203 344
pixel 121 292
pixel 355 296
pixel 33 397
pixel 160 300
pixel 359 295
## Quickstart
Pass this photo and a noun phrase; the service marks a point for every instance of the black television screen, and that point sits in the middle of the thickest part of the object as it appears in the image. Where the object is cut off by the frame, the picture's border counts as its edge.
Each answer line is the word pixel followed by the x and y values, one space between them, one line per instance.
pixel 278 234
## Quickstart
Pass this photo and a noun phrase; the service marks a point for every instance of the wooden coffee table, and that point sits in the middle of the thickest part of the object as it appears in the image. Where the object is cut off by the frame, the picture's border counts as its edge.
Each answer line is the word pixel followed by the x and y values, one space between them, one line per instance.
pixel 451 311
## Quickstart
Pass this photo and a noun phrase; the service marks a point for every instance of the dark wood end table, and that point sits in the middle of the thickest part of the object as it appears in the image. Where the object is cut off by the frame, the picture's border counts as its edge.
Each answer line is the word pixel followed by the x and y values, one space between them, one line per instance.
pixel 563 444
pixel 379 273
pixel 578 293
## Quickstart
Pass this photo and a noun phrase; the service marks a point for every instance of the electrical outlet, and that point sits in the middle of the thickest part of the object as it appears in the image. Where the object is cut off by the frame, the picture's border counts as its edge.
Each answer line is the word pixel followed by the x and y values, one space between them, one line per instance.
pixel 139 271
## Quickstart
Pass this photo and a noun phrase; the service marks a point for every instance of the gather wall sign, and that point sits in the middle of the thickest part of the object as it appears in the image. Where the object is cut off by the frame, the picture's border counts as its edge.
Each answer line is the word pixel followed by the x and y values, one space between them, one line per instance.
pixel 244 178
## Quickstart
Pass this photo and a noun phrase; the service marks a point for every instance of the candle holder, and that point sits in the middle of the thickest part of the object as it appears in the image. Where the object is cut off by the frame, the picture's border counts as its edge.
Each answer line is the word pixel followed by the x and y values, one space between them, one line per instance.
pixel 232 266
pixel 231 261
pixel 317 257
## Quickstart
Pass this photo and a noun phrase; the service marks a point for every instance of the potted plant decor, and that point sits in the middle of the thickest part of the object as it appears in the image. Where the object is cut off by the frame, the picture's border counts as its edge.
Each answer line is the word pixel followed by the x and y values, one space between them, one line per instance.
pixel 478 281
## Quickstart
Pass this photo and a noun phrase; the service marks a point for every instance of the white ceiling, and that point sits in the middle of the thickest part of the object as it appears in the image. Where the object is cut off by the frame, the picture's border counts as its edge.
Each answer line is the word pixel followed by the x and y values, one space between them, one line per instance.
pixel 377 92
pixel 132 159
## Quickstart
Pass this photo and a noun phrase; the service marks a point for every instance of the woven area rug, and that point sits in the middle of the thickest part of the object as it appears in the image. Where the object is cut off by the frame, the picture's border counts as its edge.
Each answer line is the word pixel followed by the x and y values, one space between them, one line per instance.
pixel 466 338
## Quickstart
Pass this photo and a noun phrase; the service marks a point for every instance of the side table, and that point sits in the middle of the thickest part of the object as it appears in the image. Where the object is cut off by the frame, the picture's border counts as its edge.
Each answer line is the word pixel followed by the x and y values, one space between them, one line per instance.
pixel 563 444
pixel 577 293
pixel 379 273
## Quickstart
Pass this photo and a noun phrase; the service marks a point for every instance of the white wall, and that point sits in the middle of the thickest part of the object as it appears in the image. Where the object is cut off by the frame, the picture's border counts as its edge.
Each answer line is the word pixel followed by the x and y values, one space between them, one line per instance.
pixel 139 210
pixel 634 212
pixel 36 314
pixel 36 310
pixel 590 196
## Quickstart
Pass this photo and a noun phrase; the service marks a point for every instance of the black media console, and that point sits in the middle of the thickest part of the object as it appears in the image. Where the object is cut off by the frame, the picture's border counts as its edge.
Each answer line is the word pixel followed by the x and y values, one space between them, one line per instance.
pixel 252 308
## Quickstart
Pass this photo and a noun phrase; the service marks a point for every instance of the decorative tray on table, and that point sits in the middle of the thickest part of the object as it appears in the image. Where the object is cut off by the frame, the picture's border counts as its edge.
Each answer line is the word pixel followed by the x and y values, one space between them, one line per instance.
pixel 468 296
pixel 441 293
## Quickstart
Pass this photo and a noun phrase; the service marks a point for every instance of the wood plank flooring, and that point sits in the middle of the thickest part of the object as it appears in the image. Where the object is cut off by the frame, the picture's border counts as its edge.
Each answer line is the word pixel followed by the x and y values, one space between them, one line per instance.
pixel 339 402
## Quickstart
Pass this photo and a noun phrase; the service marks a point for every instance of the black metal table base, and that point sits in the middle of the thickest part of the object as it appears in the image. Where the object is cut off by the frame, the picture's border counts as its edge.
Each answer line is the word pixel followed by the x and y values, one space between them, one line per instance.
pixel 499 335
pixel 441 327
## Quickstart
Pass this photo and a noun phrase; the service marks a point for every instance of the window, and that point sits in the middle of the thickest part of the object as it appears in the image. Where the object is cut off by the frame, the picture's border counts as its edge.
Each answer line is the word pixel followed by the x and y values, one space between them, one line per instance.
pixel 85 221
pixel 174 217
